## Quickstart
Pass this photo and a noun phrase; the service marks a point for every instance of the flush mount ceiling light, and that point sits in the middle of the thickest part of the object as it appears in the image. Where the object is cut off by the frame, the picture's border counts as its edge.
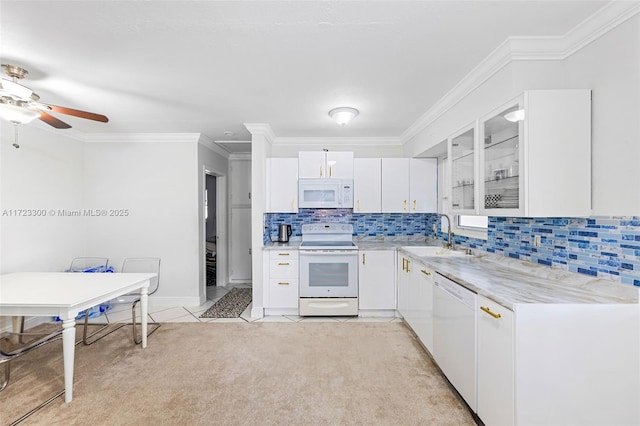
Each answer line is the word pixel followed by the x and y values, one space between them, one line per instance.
pixel 515 116
pixel 343 115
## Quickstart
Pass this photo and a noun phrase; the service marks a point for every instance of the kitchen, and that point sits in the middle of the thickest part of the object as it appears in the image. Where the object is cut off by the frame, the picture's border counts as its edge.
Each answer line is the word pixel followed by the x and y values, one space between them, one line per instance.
pixel 76 171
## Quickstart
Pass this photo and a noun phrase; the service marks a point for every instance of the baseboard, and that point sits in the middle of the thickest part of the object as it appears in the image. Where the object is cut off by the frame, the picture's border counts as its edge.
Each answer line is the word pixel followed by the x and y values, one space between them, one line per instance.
pixel 257 312
pixel 29 322
pixel 379 313
pixel 281 311
pixel 155 301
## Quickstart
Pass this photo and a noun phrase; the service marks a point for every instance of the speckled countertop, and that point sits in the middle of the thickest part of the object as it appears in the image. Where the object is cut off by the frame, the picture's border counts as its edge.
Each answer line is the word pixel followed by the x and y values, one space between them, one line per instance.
pixel 509 281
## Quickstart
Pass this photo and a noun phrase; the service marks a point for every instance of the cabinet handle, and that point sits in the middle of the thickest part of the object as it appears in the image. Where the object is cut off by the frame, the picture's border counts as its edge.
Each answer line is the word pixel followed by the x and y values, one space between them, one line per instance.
pixel 363 258
pixel 330 171
pixel 404 264
pixel 283 254
pixel 293 203
pixel 358 205
pixel 320 171
pixel 404 206
pixel 493 314
pixel 283 264
pixel 408 262
pixel 283 283
pixel 424 271
pixel 415 205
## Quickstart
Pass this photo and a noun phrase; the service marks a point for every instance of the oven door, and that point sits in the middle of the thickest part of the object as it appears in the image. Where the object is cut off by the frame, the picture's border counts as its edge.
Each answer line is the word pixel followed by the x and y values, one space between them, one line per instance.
pixel 328 273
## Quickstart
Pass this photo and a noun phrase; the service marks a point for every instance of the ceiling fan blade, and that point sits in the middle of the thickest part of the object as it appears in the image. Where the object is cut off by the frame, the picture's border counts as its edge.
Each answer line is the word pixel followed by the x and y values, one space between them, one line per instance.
pixel 52 121
pixel 78 113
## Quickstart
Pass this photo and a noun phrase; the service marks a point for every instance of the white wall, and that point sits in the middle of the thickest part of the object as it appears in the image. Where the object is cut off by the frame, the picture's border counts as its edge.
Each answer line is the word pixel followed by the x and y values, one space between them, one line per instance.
pixel 45 174
pixel 610 66
pixel 157 183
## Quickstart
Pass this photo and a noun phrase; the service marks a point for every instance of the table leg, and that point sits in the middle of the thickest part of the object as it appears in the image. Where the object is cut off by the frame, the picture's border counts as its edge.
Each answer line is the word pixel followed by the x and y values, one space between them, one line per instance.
pixel 68 351
pixel 144 307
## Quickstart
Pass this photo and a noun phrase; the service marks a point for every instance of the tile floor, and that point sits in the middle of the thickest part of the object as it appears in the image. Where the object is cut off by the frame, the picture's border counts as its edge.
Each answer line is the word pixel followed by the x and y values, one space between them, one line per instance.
pixel 192 313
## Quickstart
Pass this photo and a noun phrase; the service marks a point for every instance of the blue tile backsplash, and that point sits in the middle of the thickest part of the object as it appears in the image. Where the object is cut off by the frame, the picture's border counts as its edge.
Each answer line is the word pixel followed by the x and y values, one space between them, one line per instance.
pixel 603 247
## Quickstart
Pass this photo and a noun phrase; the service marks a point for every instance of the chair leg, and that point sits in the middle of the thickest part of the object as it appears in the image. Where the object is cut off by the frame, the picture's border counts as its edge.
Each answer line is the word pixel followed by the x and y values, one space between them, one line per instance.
pixel 137 340
pixel 85 336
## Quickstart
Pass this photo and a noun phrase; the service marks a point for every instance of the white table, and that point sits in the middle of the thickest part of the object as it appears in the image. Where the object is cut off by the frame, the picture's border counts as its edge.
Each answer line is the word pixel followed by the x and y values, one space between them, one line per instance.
pixel 64 294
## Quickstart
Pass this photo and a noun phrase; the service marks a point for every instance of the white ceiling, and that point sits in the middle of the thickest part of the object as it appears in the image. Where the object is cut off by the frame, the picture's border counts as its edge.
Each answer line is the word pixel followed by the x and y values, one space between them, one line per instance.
pixel 211 66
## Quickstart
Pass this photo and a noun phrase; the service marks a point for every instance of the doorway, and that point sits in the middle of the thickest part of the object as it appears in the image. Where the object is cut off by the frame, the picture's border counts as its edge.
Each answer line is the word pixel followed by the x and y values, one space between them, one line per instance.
pixel 211 237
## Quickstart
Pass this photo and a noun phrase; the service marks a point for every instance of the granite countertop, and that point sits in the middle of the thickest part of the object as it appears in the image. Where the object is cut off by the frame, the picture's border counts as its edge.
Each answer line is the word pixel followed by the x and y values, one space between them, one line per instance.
pixel 509 281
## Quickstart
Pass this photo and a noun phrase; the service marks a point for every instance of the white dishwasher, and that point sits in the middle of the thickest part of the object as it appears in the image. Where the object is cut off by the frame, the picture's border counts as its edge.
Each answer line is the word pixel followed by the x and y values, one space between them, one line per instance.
pixel 454 336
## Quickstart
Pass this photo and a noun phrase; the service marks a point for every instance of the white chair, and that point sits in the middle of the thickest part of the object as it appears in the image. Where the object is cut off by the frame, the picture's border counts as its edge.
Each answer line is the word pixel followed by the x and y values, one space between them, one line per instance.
pixel 131 264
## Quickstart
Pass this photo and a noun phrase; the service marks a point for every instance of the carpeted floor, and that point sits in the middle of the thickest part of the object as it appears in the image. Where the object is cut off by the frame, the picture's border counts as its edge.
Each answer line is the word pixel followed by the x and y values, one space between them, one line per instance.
pixel 303 373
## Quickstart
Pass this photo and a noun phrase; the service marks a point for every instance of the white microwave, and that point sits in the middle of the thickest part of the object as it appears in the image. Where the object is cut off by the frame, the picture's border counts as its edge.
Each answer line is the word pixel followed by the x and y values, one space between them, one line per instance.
pixel 325 194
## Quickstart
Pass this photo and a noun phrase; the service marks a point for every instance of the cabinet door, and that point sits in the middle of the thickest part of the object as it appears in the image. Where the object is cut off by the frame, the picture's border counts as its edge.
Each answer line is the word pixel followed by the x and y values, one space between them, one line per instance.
pixel 311 164
pixel 339 165
pixel 462 169
pixel 495 363
pixel 367 181
pixel 376 280
pixel 502 163
pixel 422 298
pixel 282 188
pixel 403 279
pixel 395 185
pixel 240 182
pixel 423 185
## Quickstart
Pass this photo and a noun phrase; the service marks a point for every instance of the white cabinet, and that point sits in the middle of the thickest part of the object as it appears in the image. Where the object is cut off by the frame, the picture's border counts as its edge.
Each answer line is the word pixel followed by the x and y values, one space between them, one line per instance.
pixel 495 363
pixel 376 282
pixel 240 182
pixel 463 163
pixel 409 185
pixel 539 166
pixel 282 292
pixel 367 185
pixel 421 303
pixel 325 164
pixel 282 185
pixel 403 282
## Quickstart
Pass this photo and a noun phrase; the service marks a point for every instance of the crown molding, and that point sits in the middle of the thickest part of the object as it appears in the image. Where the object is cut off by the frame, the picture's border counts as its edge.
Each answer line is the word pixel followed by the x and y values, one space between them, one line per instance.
pixel 209 143
pixel 261 129
pixel 240 156
pixel 524 49
pixel 355 141
pixel 141 137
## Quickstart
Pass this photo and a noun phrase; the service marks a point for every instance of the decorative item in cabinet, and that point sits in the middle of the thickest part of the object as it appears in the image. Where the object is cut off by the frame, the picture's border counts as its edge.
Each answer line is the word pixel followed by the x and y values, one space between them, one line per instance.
pixel 501 162
pixel 463 171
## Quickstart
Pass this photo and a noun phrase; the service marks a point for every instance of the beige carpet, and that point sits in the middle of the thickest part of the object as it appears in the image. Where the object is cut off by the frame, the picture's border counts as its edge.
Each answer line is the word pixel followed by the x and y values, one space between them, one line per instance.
pixel 304 373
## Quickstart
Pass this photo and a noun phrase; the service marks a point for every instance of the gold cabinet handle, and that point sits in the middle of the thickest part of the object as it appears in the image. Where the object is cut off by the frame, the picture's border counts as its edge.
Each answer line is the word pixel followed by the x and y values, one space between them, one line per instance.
pixel 404 206
pixel 424 271
pixel 408 262
pixel 320 171
pixel 415 205
pixel 330 171
pixel 493 314
pixel 283 264
pixel 404 264
pixel 358 205
pixel 363 258
pixel 284 254
pixel 293 203
pixel 283 283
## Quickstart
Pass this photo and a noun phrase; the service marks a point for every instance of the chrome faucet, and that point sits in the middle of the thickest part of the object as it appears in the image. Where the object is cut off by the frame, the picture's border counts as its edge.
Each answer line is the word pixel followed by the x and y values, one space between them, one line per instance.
pixel 449 243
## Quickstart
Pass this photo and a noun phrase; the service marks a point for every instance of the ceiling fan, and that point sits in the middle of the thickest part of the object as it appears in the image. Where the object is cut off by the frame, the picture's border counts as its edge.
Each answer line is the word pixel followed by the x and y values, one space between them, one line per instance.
pixel 19 104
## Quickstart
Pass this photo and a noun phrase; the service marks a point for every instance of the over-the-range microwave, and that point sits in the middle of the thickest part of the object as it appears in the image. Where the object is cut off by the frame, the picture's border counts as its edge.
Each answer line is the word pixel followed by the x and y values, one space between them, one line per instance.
pixel 325 193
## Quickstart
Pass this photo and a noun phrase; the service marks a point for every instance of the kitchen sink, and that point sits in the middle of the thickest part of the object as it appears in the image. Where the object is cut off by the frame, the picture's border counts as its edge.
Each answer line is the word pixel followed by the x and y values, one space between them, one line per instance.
pixel 432 251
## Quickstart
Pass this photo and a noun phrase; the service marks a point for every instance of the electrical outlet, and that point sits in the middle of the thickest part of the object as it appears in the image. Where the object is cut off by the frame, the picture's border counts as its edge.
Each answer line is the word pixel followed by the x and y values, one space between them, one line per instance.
pixel 536 240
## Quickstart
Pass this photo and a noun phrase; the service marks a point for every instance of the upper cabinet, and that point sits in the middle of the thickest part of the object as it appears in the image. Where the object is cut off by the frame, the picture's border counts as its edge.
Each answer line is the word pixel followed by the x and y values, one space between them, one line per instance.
pixel 325 164
pixel 367 182
pixel 535 156
pixel 282 185
pixel 409 185
pixel 462 167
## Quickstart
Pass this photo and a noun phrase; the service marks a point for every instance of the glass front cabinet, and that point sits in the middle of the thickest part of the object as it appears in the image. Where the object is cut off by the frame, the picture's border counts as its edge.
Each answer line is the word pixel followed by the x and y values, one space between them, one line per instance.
pixel 463 165
pixel 531 157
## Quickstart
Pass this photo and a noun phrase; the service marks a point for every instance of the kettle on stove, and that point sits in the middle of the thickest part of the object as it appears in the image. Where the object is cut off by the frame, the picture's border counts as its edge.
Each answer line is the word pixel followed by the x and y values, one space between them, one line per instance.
pixel 284 232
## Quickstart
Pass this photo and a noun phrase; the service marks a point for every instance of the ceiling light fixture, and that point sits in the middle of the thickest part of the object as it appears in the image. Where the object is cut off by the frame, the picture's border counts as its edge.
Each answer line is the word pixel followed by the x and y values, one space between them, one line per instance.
pixel 16 113
pixel 515 116
pixel 343 115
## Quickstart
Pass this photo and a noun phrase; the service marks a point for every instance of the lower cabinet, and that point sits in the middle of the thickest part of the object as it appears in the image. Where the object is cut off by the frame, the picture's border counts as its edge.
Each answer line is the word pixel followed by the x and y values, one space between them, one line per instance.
pixel 415 298
pixel 376 282
pixel 282 292
pixel 495 363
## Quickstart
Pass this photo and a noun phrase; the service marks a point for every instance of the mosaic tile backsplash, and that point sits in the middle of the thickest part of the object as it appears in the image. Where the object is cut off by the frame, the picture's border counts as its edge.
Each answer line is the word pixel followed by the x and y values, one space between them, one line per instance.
pixel 603 247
